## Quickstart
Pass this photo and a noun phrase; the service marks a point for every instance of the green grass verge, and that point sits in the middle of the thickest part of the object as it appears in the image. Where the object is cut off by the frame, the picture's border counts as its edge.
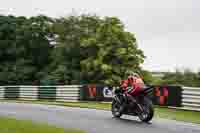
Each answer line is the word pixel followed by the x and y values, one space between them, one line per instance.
pixel 160 112
pixel 9 125
pixel 179 115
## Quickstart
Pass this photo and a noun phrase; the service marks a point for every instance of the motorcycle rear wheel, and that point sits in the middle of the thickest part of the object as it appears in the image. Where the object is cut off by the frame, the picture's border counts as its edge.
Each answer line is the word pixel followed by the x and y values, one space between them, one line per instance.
pixel 148 113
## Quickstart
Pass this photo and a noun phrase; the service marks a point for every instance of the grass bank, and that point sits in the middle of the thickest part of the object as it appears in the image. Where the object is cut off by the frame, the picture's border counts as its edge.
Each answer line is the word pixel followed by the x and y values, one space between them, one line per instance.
pixel 9 125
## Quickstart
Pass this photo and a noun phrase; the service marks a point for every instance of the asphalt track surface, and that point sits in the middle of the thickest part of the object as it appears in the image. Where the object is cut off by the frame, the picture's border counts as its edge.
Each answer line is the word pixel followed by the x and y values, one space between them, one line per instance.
pixel 91 120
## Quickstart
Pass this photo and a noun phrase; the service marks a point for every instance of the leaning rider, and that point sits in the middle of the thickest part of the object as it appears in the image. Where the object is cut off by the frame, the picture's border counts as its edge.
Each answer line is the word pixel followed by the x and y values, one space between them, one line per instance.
pixel 131 86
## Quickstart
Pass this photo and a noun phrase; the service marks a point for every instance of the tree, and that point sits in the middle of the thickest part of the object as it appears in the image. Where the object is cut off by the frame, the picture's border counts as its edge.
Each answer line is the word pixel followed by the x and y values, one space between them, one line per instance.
pixel 108 51
pixel 65 66
pixel 186 78
pixel 87 49
pixel 25 48
pixel 95 50
pixel 8 57
pixel 33 48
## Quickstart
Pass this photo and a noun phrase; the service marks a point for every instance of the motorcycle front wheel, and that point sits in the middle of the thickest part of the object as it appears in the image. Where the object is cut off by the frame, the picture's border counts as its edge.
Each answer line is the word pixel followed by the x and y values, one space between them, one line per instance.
pixel 116 109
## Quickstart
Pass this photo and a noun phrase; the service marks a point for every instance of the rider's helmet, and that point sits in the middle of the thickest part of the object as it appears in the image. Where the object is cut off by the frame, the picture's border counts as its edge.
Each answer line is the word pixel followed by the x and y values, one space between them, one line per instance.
pixel 132 75
pixel 135 77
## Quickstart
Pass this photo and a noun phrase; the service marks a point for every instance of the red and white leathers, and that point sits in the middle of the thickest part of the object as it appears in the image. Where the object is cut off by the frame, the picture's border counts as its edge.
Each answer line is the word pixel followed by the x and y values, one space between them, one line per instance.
pixel 135 82
pixel 131 87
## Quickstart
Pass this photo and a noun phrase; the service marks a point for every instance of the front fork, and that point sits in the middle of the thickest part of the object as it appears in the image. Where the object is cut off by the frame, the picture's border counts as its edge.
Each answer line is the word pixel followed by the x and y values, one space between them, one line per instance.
pixel 139 106
pixel 116 98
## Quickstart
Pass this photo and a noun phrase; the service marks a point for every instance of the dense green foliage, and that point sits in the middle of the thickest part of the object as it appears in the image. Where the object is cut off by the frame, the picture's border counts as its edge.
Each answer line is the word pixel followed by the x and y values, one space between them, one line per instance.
pixel 186 78
pixel 70 50
pixel 24 48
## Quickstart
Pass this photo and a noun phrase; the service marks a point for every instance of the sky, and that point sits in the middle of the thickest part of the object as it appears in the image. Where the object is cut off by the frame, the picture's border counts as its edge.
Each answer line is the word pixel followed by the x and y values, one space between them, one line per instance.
pixel 168 31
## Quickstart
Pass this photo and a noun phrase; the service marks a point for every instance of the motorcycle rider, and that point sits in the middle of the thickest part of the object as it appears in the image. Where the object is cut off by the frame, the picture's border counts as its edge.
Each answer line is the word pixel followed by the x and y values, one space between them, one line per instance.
pixel 131 86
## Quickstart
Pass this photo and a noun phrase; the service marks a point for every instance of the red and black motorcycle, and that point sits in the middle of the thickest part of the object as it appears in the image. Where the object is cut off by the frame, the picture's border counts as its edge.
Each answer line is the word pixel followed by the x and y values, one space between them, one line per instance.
pixel 141 107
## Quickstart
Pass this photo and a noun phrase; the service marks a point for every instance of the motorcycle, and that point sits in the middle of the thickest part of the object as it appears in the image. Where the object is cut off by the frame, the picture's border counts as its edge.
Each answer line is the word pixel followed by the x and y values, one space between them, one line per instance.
pixel 141 107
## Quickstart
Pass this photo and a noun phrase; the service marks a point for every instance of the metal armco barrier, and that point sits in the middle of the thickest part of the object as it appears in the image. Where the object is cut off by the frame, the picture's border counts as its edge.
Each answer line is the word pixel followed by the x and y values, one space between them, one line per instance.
pixel 167 96
pixel 191 98
pixel 47 92
pixel 171 96
pixel 68 93
pixel 96 93
pixel 162 95
pixel 28 93
pixel 55 93
pixel 11 92
pixel 1 92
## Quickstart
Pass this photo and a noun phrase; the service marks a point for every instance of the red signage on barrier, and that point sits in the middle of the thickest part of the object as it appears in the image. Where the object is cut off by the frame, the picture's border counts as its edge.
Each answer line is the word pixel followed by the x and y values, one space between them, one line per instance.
pixel 162 96
pixel 92 90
